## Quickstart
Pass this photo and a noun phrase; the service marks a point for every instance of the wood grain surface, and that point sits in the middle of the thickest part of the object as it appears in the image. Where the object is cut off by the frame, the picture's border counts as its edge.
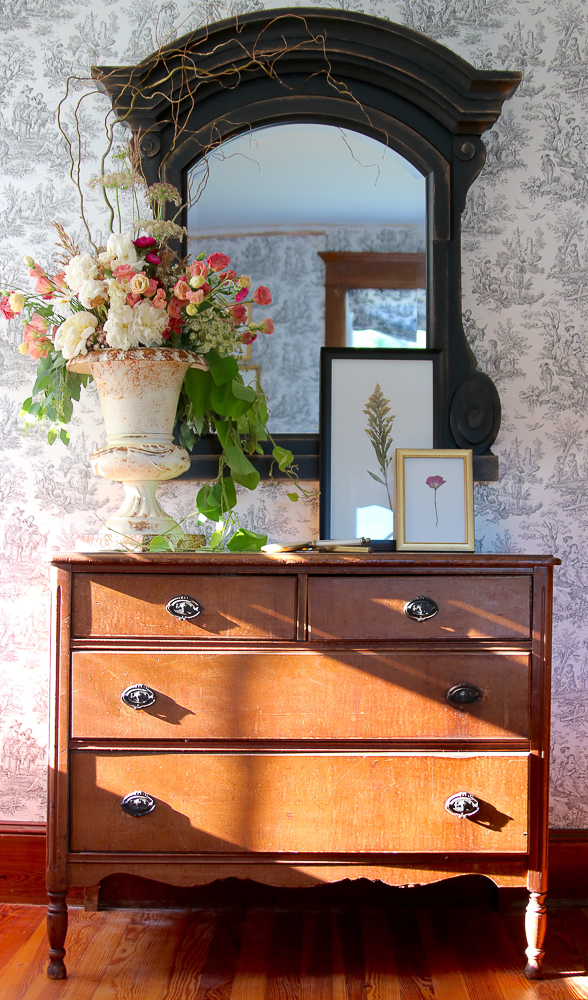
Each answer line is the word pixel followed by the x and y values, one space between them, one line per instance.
pixel 327 802
pixel 480 608
pixel 303 695
pixel 233 607
pixel 294 955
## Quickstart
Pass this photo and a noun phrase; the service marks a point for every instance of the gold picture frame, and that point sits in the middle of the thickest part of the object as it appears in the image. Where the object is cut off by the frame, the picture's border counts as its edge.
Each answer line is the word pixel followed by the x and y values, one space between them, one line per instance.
pixel 427 520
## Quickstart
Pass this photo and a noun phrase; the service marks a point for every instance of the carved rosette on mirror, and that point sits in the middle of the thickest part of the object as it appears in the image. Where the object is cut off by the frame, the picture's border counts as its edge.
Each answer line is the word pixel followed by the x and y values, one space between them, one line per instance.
pixel 351 71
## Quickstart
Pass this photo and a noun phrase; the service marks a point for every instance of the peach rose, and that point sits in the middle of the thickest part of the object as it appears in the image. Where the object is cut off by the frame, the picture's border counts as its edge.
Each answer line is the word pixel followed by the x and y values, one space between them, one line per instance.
pixel 266 326
pixel 262 296
pixel 218 261
pixel 139 283
pixel 182 290
pixel 198 268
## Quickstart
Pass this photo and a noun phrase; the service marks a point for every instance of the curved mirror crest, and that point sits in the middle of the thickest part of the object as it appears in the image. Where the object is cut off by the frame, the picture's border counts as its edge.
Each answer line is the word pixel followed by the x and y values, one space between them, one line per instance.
pixel 275 198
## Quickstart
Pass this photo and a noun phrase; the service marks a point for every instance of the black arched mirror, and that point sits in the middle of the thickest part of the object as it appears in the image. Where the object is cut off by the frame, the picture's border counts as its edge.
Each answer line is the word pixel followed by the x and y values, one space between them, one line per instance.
pixel 362 77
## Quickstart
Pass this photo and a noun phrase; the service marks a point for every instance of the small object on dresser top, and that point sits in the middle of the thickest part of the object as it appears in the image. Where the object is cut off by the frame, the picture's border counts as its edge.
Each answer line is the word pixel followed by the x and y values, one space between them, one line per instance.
pixel 322 543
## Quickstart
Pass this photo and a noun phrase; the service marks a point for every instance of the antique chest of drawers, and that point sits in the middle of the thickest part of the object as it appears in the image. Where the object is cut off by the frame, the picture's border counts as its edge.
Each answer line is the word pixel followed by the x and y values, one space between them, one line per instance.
pixel 299 719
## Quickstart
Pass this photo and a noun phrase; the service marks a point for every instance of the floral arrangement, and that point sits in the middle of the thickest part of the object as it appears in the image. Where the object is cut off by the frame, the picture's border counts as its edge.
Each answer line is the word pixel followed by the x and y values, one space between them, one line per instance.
pixel 134 292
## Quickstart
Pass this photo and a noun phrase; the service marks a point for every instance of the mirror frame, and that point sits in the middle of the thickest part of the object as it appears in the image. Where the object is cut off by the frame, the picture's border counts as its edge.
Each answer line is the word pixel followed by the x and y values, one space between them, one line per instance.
pixel 358 72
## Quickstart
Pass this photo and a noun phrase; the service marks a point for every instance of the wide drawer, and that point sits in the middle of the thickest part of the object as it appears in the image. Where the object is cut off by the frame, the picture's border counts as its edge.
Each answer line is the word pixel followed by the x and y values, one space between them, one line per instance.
pixel 480 607
pixel 232 607
pixel 325 803
pixel 302 695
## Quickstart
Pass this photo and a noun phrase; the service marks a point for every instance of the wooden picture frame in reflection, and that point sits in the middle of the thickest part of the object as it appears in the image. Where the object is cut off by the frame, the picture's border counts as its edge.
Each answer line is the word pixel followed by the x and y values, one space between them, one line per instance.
pixel 373 400
pixel 434 500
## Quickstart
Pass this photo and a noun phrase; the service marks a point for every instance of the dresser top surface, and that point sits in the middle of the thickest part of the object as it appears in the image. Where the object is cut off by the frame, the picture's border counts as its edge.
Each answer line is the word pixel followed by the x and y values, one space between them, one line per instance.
pixel 301 561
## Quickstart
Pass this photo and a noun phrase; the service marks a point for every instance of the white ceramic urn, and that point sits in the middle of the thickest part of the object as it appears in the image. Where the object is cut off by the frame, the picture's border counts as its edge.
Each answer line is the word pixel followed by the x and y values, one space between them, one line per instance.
pixel 138 392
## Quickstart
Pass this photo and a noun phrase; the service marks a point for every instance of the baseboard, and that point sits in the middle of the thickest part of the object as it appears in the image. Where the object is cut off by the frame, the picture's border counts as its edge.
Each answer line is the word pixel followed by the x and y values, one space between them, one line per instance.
pixel 22 872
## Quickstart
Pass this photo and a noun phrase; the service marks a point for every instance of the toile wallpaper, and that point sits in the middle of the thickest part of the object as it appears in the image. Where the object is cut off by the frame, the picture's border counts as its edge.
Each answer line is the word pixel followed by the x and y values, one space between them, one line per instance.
pixel 525 304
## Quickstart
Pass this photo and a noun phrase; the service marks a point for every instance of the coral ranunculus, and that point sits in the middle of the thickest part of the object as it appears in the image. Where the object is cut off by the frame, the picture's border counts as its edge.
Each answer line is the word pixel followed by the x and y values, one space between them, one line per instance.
pixel 5 308
pixel 262 296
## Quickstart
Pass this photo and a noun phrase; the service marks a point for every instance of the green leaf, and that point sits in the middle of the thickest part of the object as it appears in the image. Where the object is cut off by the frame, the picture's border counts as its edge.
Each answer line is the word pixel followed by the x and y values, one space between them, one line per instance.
pixel 186 436
pixel 224 402
pixel 52 434
pixel 26 405
pixel 64 436
pixel 242 391
pixel 246 541
pixel 222 428
pixel 283 456
pixel 34 408
pixel 198 384
pixel 215 539
pixel 228 494
pixel 238 462
pixel 377 478
pixel 222 369
pixel 292 496
pixel 160 544
pixel 207 503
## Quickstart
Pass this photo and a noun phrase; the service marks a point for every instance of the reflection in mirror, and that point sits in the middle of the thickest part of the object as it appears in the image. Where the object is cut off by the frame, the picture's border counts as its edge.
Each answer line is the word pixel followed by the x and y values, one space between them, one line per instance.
pixel 385 317
pixel 275 198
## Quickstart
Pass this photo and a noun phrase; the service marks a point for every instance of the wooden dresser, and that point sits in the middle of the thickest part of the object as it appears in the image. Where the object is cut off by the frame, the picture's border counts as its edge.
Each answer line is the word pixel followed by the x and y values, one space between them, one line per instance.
pixel 299 719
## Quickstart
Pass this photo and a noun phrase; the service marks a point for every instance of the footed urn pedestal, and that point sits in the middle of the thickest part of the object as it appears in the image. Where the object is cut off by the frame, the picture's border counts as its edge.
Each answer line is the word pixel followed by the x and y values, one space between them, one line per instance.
pixel 139 391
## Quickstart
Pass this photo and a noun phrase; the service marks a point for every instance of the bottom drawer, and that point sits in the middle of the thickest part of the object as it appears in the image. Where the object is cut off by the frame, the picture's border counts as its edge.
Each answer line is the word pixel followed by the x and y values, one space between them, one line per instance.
pixel 297 802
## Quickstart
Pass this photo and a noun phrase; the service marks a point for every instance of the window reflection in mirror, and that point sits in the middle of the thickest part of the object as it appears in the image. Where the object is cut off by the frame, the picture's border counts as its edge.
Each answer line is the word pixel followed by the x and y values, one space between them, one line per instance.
pixel 274 199
pixel 386 317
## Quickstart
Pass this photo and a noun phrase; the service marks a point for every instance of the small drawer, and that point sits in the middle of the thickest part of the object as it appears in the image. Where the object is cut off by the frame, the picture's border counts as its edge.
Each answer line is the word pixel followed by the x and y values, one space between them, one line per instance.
pixel 231 607
pixel 373 608
pixel 296 802
pixel 302 695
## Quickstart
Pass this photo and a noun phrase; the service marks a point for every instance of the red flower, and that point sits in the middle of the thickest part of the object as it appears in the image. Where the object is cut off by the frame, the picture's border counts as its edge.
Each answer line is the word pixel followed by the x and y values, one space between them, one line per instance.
pixel 217 261
pixel 239 313
pixel 262 296
pixel 145 241
pixel 5 308
pixel 152 258
pixel 248 337
pixel 241 295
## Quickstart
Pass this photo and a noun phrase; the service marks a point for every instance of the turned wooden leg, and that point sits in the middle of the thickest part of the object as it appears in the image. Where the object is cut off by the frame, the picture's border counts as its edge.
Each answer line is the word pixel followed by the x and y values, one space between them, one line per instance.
pixel 56 932
pixel 535 922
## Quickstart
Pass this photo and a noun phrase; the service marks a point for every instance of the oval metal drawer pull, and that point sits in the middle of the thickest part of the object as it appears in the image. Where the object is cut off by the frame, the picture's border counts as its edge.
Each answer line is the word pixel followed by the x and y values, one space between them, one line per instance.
pixel 138 696
pixel 462 804
pixel 183 607
pixel 421 608
pixel 463 694
pixel 138 803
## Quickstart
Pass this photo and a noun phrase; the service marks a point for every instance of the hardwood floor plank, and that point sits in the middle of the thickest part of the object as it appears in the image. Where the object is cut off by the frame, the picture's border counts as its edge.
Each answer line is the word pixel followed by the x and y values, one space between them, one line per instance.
pixel 140 966
pixel 283 974
pixel 30 962
pixel 552 986
pixel 379 961
pixel 411 962
pixel 347 933
pixel 470 948
pixel 17 923
pixel 217 975
pixel 507 960
pixel 251 972
pixel 91 943
pixel 186 970
pixel 316 967
pixel 447 979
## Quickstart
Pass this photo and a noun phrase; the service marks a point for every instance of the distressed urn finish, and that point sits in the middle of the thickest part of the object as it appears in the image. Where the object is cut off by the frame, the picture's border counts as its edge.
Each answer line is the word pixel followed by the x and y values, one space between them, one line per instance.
pixel 138 392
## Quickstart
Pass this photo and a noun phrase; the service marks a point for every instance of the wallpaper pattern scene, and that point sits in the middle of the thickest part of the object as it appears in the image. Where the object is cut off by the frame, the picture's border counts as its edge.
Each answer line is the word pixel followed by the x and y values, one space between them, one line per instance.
pixel 525 302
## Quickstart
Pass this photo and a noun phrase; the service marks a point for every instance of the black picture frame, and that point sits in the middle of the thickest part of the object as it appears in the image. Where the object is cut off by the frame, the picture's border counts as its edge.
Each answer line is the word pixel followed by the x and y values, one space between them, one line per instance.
pixel 354 356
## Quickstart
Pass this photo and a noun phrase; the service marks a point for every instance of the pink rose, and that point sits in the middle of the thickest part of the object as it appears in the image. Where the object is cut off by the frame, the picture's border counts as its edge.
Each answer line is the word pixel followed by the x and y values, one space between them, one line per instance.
pixel 5 308
pixel 227 276
pixel 133 298
pixel 182 290
pixel 262 296
pixel 218 261
pixel 124 272
pixel 198 267
pixel 37 271
pixel 266 326
pixel 175 308
pixel 239 314
pixel 248 337
pixel 151 288
pixel 159 301
pixel 196 297
pixel 241 295
pixel 152 258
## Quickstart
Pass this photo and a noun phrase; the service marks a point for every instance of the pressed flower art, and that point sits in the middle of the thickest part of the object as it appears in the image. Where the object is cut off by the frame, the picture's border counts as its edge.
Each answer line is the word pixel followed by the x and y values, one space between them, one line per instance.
pixel 435 482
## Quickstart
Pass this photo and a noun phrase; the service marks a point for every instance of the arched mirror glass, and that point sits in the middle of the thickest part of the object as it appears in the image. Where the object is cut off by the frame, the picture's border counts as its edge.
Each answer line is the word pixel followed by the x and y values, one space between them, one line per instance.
pixel 288 201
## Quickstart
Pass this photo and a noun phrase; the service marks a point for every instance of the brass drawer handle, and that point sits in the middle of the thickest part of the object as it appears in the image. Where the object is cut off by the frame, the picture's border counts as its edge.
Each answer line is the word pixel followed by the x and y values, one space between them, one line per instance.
pixel 421 608
pixel 138 804
pixel 462 804
pixel 463 694
pixel 183 607
pixel 138 696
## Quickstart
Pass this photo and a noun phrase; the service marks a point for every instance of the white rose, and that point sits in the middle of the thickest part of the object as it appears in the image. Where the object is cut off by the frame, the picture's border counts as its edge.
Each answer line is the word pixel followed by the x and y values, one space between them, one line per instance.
pixel 106 258
pixel 71 336
pixel 80 269
pixel 149 323
pixel 121 245
pixel 93 293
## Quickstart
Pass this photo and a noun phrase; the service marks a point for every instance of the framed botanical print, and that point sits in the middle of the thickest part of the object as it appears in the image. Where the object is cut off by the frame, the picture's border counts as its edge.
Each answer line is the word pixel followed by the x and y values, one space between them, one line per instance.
pixel 434 500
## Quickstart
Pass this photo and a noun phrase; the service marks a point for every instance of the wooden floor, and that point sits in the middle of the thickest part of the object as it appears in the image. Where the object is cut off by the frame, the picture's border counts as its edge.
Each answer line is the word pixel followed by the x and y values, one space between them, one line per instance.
pixel 285 955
